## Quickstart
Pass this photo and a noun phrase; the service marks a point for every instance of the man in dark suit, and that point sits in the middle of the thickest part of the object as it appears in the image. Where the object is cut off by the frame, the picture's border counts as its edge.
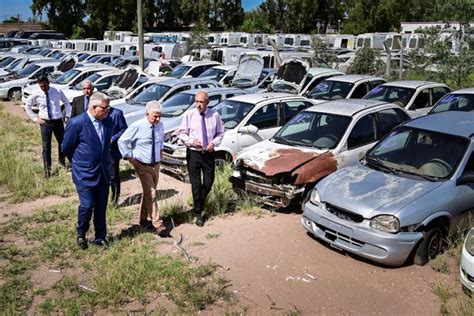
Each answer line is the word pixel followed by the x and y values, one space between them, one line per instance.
pixel 80 104
pixel 86 143
pixel 120 125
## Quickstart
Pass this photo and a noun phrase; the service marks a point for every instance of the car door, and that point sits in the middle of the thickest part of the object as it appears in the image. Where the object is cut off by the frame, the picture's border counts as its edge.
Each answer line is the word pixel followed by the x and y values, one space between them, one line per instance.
pixel 266 118
pixel 360 91
pixel 465 196
pixel 422 103
pixel 293 107
pixel 361 137
pixel 387 119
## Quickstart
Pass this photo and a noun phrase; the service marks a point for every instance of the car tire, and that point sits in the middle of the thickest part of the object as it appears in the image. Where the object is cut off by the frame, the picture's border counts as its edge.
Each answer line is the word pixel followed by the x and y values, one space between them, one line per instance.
pixel 429 247
pixel 14 94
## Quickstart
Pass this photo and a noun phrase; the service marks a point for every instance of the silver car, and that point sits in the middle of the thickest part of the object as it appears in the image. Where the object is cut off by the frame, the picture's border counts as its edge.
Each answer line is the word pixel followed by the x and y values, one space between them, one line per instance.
pixel 410 190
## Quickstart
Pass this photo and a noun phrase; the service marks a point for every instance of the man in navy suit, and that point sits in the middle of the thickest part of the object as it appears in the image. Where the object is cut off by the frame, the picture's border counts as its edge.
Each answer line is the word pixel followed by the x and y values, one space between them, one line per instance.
pixel 120 125
pixel 81 103
pixel 86 143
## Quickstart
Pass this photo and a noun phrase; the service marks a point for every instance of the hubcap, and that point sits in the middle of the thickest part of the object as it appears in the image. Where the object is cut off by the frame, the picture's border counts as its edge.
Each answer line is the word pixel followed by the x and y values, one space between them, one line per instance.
pixel 433 245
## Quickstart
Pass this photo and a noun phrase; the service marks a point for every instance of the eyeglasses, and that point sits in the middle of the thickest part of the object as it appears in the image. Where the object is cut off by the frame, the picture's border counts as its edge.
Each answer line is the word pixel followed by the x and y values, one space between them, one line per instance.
pixel 103 107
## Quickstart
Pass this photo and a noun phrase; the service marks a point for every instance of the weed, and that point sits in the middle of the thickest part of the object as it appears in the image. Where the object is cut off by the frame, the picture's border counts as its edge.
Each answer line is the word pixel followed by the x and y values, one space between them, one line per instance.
pixel 442 291
pixel 15 296
pixel 197 244
pixel 212 236
pixel 222 198
pixel 439 264
pixel 249 204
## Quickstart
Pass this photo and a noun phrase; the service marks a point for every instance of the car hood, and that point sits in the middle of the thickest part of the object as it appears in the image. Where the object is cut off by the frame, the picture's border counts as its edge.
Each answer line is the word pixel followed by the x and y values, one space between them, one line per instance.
pixel 128 108
pixel 249 71
pixel 290 75
pixel 67 63
pixel 306 165
pixel 126 80
pixel 369 192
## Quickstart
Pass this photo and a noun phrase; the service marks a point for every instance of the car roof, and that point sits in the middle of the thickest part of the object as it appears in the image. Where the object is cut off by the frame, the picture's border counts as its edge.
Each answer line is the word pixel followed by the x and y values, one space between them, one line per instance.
pixel 465 90
pixel 320 70
pixel 200 62
pixel 215 90
pixel 347 107
pixel 449 122
pixel 353 78
pixel 47 63
pixel 176 81
pixel 415 84
pixel 225 67
pixel 260 97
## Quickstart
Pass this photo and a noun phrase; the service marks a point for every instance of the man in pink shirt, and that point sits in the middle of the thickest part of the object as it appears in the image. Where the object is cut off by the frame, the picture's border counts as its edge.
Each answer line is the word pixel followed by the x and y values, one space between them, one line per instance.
pixel 201 131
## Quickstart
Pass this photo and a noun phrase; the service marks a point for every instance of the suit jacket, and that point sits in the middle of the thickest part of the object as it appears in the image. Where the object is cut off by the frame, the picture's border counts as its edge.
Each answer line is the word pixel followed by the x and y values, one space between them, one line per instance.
pixel 77 105
pixel 82 146
pixel 120 125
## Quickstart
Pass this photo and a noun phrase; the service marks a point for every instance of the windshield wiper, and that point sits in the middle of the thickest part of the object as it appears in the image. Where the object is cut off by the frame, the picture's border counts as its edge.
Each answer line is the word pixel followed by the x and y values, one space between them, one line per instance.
pixel 423 176
pixel 300 142
pixel 378 163
pixel 280 140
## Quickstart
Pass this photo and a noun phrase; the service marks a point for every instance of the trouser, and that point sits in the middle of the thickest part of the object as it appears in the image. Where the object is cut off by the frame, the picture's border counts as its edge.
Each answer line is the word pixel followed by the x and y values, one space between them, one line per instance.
pixel 47 130
pixel 114 171
pixel 201 168
pixel 93 200
pixel 148 175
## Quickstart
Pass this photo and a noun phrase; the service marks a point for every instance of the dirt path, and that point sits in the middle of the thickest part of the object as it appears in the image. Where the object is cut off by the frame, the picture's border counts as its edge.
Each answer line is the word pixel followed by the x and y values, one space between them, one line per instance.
pixel 274 266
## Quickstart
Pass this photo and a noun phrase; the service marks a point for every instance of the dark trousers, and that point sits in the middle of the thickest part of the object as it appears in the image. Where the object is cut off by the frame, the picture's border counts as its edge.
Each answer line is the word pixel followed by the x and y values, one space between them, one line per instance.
pixel 49 128
pixel 201 168
pixel 93 200
pixel 114 171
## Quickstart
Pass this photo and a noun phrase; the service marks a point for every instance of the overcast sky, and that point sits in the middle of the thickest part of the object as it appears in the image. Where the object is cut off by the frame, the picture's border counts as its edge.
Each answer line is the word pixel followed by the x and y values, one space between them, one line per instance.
pixel 22 7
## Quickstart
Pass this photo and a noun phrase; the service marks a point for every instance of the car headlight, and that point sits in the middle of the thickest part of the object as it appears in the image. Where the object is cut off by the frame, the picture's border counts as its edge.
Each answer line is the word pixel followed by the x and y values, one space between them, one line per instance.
pixel 469 244
pixel 180 152
pixel 386 223
pixel 315 197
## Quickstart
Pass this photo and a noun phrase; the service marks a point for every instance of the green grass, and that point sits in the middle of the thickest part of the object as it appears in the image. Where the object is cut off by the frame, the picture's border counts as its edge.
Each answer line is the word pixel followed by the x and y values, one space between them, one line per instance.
pixel 21 165
pixel 212 235
pixel 442 291
pixel 222 198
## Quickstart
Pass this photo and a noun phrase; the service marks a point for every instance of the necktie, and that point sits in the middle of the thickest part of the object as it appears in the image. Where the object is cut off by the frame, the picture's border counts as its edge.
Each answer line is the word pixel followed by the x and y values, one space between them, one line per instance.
pixel 100 131
pixel 86 103
pixel 204 132
pixel 153 158
pixel 48 106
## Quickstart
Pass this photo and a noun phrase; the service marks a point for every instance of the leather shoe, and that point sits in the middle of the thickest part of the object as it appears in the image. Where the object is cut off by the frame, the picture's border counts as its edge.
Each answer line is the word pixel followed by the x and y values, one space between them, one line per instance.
pixel 162 232
pixel 101 243
pixel 82 242
pixel 199 221
pixel 146 224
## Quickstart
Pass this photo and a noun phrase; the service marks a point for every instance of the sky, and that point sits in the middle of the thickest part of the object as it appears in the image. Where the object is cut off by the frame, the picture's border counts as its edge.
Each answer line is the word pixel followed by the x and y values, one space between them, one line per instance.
pixel 22 7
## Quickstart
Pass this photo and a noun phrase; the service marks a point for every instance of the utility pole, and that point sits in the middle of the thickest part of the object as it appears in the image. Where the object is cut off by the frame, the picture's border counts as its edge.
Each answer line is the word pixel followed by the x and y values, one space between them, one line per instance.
pixel 141 47
pixel 389 59
pixel 400 74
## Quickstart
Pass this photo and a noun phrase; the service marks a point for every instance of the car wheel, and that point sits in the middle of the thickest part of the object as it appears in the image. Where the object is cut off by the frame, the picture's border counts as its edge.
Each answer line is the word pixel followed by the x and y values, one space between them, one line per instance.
pixel 429 246
pixel 14 95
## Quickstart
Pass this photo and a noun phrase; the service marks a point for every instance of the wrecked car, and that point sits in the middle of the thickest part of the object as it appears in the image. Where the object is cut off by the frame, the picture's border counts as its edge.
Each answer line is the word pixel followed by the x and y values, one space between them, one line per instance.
pixel 406 195
pixel 315 143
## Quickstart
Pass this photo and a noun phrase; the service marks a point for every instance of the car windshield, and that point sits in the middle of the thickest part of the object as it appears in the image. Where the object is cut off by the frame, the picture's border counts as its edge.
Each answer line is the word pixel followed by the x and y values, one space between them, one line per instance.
pixel 455 102
pixel 397 95
pixel 233 112
pixel 67 77
pixel 6 61
pixel 179 71
pixel 313 129
pixel 12 66
pixel 94 59
pixel 44 52
pixel 154 92
pixel 93 78
pixel 213 73
pixel 177 104
pixel 427 154
pixel 28 70
pixel 331 90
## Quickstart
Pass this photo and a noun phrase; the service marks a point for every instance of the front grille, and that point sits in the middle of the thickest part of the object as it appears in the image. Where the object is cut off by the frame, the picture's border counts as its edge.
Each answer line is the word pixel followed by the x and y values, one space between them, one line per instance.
pixel 333 235
pixel 343 214
pixel 255 177
pixel 168 150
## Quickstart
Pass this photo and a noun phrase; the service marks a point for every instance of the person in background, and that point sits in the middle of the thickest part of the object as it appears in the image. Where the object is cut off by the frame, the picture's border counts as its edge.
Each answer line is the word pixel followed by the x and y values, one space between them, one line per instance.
pixel 119 126
pixel 50 118
pixel 201 130
pixel 81 103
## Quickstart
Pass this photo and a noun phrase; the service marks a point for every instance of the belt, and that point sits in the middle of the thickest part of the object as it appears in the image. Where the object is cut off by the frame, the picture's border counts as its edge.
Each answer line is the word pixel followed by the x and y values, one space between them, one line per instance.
pixel 148 164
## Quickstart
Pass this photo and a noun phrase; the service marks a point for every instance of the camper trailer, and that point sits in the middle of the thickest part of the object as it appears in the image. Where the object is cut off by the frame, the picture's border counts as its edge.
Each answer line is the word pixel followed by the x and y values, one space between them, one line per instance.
pixel 392 41
pixel 344 41
pixel 371 40
pixel 230 39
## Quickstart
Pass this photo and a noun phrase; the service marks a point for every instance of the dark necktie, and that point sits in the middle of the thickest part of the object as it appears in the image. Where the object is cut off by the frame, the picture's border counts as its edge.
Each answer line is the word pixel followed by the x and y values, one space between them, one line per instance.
pixel 48 106
pixel 86 103
pixel 100 131
pixel 153 144
pixel 204 132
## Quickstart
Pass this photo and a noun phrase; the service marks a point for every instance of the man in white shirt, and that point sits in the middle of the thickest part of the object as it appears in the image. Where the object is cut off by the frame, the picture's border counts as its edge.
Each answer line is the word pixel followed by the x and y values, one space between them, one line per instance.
pixel 50 118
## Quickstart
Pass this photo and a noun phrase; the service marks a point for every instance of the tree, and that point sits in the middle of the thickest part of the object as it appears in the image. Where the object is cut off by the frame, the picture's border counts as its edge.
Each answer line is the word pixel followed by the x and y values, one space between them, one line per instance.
pixel 367 62
pixel 13 19
pixel 63 15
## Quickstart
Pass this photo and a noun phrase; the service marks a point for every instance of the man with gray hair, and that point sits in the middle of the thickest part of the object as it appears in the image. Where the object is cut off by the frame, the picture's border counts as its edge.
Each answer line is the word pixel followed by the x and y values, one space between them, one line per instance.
pixel 86 144
pixel 80 103
pixel 141 144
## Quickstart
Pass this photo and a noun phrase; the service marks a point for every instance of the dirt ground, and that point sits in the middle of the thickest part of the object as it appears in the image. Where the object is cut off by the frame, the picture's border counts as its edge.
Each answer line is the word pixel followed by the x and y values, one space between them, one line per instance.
pixel 275 267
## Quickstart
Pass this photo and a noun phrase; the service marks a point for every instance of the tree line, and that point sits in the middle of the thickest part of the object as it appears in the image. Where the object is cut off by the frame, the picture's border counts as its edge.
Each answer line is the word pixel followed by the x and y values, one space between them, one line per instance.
pixel 79 18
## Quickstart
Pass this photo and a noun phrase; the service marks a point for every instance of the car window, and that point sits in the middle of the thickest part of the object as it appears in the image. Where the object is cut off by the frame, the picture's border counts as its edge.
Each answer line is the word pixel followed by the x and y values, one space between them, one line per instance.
pixel 213 100
pixel 470 164
pixel 363 132
pixel 294 107
pixel 360 91
pixel 438 92
pixel 177 90
pixel 265 117
pixel 375 83
pixel 422 100
pixel 196 71
pixel 203 85
pixel 387 119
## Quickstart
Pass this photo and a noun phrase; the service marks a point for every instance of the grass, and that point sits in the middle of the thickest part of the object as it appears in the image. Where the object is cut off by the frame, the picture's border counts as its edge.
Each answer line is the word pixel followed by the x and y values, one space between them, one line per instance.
pixel 212 236
pixel 222 198
pixel 21 165
pixel 113 279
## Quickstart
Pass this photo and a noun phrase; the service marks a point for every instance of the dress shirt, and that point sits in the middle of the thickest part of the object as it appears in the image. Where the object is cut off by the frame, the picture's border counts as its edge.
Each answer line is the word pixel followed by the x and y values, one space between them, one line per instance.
pixel 99 127
pixel 55 98
pixel 136 141
pixel 191 128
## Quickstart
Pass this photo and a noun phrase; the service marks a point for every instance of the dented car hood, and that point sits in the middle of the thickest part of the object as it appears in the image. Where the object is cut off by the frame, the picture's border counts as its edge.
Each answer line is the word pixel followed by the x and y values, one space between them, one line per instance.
pixel 369 192
pixel 307 165
pixel 249 71
pixel 290 76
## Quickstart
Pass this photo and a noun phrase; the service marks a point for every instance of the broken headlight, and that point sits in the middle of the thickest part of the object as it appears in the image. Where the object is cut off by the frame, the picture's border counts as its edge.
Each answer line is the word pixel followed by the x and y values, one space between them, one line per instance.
pixel 315 197
pixel 386 223
pixel 469 245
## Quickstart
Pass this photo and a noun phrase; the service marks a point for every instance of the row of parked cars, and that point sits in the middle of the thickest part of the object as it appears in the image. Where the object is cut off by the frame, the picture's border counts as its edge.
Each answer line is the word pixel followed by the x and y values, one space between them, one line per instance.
pixel 374 175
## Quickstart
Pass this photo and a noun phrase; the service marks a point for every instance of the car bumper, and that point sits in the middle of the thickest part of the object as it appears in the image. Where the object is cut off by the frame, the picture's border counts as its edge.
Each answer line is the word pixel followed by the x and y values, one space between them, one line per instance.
pixel 4 93
pixel 466 270
pixel 177 167
pixel 359 238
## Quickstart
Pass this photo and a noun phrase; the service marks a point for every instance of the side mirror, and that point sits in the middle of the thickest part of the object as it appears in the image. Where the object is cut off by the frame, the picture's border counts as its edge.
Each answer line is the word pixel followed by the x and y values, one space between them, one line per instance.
pixel 466 178
pixel 249 129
